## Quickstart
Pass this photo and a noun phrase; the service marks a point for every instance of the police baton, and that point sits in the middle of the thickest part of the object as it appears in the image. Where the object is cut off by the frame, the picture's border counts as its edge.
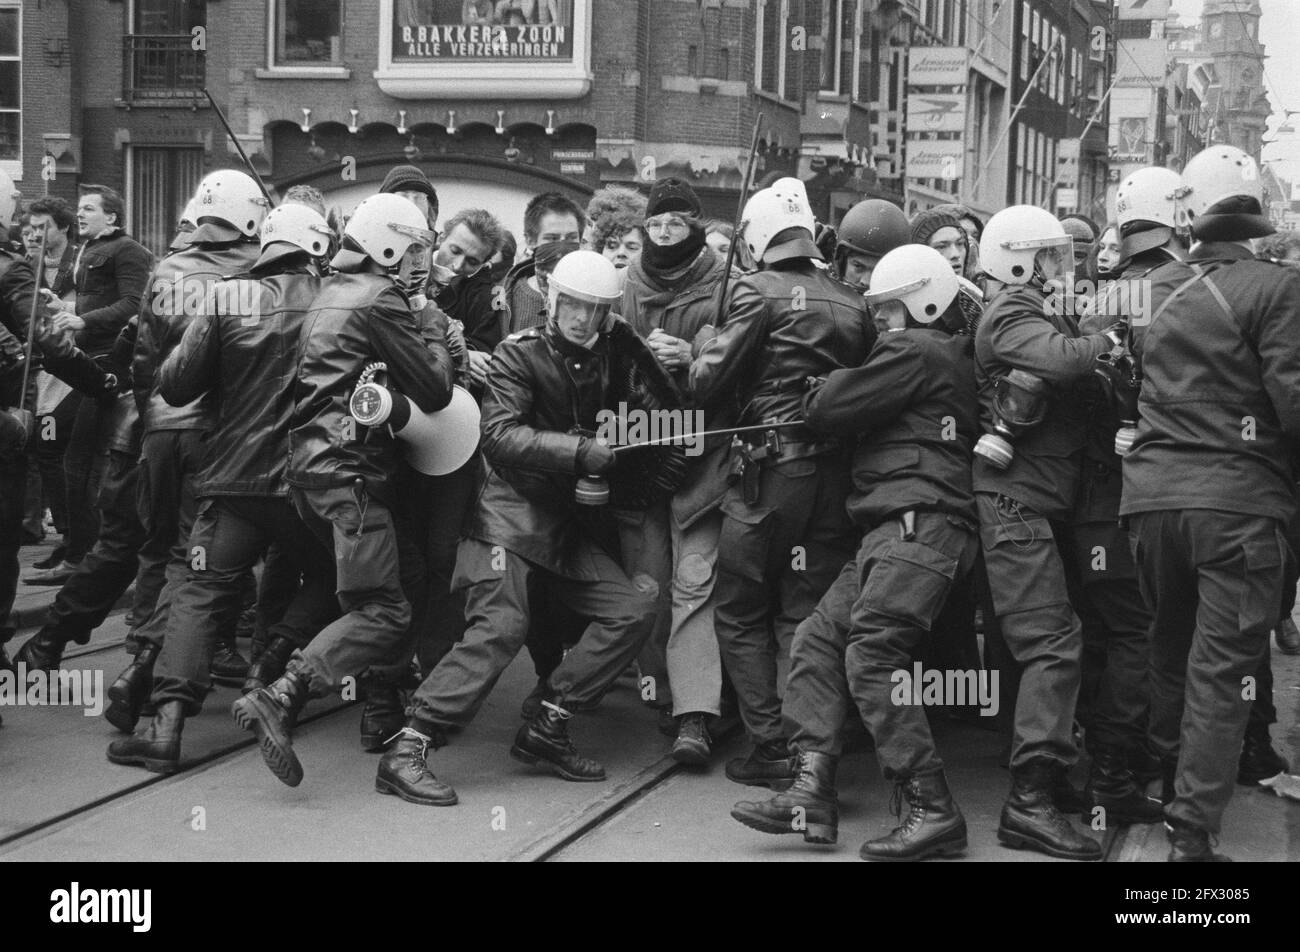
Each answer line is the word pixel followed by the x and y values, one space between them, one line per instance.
pixel 745 184
pixel 31 322
pixel 239 148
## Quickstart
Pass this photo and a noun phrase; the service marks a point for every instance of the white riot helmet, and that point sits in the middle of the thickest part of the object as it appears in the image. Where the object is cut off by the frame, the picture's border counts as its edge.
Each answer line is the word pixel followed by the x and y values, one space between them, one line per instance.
pixel 1014 236
pixel 917 275
pixel 234 198
pixel 586 276
pixel 1156 195
pixel 8 200
pixel 771 211
pixel 190 214
pixel 299 226
pixel 384 226
pixel 1220 172
pixel 1227 195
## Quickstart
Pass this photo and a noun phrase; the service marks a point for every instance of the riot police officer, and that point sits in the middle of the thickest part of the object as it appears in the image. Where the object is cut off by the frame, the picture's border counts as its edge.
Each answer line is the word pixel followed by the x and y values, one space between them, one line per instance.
pixel 784 538
pixel 1209 485
pixel 1029 359
pixel 243 353
pixel 913 408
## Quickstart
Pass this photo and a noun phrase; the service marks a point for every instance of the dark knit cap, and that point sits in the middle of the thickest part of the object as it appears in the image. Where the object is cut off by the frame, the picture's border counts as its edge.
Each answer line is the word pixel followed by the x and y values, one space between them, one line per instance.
pixel 673 195
pixel 408 178
pixel 927 223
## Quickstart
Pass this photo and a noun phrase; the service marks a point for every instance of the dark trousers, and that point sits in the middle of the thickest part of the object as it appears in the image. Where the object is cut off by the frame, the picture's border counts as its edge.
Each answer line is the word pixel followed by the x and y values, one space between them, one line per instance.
pixel 776 559
pixel 1029 594
pixel 230 533
pixel 430 517
pixel 104 574
pixel 1113 696
pixel 82 470
pixel 870 624
pixel 496 584
pixel 53 434
pixel 357 531
pixel 170 464
pixel 1214 582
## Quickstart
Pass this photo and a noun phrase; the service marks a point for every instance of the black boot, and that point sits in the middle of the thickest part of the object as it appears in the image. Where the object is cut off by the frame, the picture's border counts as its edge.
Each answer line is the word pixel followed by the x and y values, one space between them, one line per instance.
pixel 269 665
pixel 128 694
pixel 1259 760
pixel 533 702
pixel 228 666
pixel 43 651
pixel 768 765
pixel 404 772
pixel 1144 764
pixel 382 716
pixel 1030 820
pixel 1189 844
pixel 271 713
pixel 934 826
pixel 1066 796
pixel 1112 787
pixel 809 807
pixel 545 740
pixel 157 745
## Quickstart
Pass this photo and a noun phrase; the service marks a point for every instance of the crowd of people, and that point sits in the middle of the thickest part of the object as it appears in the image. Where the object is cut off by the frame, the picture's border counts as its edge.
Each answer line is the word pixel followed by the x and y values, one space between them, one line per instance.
pixel 1059 451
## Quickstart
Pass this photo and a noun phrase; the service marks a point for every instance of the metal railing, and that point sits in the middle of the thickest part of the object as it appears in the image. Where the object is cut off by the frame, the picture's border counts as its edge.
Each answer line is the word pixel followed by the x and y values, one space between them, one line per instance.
pixel 161 67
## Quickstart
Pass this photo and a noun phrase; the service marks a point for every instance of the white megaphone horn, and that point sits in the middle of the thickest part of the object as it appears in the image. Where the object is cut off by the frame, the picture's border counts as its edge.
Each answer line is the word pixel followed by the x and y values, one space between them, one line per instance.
pixel 437 443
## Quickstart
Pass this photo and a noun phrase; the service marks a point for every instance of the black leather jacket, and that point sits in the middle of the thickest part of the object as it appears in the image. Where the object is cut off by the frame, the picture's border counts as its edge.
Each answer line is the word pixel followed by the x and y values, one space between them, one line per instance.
pixel 783 326
pixel 358 318
pixel 540 387
pixel 55 352
pixel 1023 329
pixel 177 293
pixel 245 355
pixel 110 276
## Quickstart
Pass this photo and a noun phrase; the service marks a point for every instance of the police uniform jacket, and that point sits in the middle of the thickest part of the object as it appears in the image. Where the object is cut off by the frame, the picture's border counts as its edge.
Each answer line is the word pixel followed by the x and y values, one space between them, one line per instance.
pixel 1219 414
pixel 784 325
pixel 358 318
pixel 913 410
pixel 1023 328
pixel 176 294
pixel 244 353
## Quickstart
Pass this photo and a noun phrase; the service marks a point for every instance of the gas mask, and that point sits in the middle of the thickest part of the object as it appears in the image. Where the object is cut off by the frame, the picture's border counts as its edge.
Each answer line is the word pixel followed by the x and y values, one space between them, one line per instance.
pixel 411 274
pixel 1019 402
pixel 1121 372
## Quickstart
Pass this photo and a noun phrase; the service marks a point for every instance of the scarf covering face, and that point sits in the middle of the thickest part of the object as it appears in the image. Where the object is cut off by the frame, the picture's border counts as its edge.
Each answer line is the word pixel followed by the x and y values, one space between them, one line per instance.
pixel 548 255
pixel 662 260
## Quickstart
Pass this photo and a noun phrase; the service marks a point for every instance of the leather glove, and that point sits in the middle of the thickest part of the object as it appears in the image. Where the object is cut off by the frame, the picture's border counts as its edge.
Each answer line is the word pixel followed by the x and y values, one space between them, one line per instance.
pixel 1118 333
pixel 594 457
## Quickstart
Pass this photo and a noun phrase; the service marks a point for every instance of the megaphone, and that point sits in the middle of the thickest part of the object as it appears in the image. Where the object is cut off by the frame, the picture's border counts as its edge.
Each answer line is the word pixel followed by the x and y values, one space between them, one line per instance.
pixel 437 443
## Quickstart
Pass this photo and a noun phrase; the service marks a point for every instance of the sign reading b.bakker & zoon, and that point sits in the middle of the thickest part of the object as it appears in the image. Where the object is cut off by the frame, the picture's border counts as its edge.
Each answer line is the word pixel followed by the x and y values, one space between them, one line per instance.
pixel 483 31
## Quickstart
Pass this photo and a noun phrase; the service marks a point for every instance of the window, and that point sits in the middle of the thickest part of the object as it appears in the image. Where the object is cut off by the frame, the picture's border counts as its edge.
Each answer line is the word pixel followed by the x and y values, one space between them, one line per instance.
pixel 11 90
pixel 306 33
pixel 161 181
pixel 835 30
pixel 769 55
